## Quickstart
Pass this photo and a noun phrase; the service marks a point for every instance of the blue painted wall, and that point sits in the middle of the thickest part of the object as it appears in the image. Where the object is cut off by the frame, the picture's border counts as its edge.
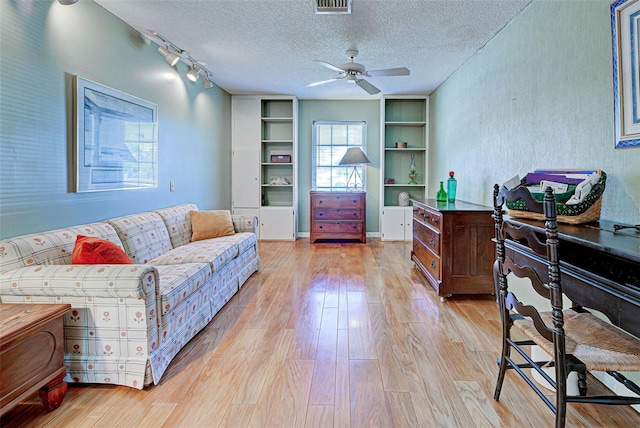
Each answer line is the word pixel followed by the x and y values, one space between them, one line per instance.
pixel 42 45
pixel 539 95
pixel 356 110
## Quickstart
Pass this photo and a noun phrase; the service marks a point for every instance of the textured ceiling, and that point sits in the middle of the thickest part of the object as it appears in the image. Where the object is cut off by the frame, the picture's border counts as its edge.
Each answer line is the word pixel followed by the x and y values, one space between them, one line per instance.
pixel 269 46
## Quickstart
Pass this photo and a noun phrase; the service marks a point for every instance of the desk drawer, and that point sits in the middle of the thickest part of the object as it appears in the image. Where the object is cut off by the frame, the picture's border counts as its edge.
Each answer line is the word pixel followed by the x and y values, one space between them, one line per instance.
pixel 431 261
pixel 337 201
pixel 337 227
pixel 337 214
pixel 429 237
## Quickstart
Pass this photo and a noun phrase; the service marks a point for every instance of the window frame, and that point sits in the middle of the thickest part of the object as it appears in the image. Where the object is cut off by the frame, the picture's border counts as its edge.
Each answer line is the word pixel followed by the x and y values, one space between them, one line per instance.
pixel 347 168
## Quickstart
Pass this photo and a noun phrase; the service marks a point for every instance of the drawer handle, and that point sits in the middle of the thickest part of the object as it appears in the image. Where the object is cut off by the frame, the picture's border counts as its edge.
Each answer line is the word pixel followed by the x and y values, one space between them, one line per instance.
pixel 355 201
pixel 320 227
pixel 431 242
pixel 433 264
pixel 415 228
pixel 434 220
pixel 355 214
pixel 415 246
pixel 320 215
pixel 320 201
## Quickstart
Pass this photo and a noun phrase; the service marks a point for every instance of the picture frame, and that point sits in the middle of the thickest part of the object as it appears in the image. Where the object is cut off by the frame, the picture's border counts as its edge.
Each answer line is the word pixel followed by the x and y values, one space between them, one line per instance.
pixel 625 27
pixel 116 139
pixel 280 159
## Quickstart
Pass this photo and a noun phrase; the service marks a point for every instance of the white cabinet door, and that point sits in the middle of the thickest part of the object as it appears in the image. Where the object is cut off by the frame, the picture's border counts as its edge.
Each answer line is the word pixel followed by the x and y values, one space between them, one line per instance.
pixel 277 223
pixel 246 123
pixel 397 224
pixel 408 224
pixel 245 164
pixel 245 170
pixel 392 224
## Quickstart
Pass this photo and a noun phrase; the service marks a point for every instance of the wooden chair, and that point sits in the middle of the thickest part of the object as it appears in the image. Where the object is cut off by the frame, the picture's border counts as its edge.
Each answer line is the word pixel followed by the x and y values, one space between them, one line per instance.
pixel 577 340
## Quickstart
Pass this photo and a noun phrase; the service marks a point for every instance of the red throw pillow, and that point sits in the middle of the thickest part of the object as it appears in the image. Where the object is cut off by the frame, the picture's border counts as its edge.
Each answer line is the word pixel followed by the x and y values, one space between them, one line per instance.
pixel 93 251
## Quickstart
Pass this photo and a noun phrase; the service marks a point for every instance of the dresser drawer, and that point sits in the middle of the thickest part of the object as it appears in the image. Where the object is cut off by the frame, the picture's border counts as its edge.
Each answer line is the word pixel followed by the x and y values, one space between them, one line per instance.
pixel 337 227
pixel 430 261
pixel 337 214
pixel 429 237
pixel 337 201
pixel 434 219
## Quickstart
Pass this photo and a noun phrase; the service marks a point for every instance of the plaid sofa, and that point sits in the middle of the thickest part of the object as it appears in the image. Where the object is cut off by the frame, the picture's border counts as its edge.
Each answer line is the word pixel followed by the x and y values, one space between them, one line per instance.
pixel 127 322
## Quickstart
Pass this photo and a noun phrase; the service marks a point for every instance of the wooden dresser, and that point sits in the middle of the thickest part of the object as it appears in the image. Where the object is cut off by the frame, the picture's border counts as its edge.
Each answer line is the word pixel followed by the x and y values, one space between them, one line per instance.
pixel 452 246
pixel 31 354
pixel 338 215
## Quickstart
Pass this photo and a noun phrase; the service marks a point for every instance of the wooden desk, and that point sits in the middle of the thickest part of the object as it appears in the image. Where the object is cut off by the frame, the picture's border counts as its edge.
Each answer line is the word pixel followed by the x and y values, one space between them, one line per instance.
pixel 31 354
pixel 599 269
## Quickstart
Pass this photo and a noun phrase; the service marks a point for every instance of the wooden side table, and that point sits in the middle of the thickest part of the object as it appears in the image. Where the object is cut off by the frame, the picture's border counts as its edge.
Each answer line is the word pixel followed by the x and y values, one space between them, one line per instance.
pixel 31 354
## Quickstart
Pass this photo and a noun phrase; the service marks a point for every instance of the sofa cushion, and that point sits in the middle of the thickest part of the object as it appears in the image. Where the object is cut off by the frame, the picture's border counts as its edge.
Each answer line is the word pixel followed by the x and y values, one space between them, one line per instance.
pixel 52 247
pixel 211 224
pixel 144 236
pixel 178 222
pixel 178 282
pixel 92 251
pixel 243 241
pixel 213 251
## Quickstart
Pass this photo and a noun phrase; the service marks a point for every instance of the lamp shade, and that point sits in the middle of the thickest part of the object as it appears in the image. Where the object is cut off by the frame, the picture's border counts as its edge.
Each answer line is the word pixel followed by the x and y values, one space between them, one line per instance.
pixel 354 156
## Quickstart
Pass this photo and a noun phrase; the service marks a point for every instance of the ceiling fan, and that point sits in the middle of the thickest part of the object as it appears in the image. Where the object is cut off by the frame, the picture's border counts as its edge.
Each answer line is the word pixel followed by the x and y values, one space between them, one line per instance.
pixel 354 73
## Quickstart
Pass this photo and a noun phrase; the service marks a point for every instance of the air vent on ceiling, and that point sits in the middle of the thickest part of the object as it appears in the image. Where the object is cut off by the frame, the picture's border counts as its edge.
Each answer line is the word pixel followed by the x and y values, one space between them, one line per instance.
pixel 332 7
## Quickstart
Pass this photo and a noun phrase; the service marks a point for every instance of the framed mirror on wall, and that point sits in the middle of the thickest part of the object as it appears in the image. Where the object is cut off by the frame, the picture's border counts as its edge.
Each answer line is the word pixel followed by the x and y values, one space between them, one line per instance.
pixel 625 35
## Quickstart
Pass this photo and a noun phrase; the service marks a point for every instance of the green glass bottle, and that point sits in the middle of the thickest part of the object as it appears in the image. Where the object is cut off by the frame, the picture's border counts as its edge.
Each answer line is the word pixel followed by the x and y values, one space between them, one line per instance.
pixel 441 196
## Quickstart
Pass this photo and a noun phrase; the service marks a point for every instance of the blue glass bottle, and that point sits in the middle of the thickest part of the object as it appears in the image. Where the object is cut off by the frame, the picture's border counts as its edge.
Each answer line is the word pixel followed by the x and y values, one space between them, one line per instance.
pixel 452 185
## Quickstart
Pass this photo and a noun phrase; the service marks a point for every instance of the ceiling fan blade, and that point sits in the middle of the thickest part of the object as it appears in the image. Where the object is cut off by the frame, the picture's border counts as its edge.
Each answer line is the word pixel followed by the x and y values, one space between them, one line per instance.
pixel 330 66
pixel 322 82
pixel 401 71
pixel 372 90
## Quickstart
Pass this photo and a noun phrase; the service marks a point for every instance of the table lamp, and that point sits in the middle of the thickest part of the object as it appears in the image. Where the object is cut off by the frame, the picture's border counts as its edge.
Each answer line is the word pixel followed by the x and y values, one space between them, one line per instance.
pixel 354 156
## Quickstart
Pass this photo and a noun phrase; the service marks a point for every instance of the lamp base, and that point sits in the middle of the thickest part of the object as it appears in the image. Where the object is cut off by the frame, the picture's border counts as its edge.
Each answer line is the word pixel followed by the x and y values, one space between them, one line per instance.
pixel 355 182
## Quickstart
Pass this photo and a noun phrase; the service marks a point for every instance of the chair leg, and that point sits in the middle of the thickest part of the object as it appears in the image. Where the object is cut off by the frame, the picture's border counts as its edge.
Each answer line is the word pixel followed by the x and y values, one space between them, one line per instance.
pixel 502 361
pixel 582 383
pixel 561 396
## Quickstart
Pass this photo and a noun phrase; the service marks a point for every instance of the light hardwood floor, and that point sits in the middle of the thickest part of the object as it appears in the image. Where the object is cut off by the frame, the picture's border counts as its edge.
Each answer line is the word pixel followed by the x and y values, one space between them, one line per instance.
pixel 330 335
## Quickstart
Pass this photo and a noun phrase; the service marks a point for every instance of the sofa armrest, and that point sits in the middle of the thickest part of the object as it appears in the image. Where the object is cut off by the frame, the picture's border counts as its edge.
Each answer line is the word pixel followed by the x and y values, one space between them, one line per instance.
pixel 122 281
pixel 245 223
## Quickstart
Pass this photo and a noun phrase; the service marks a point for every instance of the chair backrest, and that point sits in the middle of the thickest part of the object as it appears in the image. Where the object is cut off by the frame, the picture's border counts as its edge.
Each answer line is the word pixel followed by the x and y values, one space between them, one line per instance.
pixel 546 247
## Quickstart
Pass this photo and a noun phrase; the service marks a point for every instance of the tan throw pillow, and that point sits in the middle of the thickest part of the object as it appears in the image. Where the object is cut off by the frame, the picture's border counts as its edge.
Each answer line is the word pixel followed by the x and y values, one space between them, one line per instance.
pixel 210 224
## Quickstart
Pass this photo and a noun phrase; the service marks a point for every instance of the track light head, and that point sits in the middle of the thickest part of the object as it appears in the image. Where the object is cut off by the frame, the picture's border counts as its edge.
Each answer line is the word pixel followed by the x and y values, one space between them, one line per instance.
pixel 206 81
pixel 171 58
pixel 192 74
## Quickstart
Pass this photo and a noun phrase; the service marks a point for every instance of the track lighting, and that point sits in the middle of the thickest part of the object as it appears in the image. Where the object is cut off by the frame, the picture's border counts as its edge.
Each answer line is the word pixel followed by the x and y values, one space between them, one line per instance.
pixel 193 73
pixel 173 54
pixel 206 81
pixel 171 58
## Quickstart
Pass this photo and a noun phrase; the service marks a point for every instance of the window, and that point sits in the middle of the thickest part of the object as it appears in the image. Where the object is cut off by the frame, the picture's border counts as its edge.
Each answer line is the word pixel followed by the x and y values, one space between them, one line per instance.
pixel 330 142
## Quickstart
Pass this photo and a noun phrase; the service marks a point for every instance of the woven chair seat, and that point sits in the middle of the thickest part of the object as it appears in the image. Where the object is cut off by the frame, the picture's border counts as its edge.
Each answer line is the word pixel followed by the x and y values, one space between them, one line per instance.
pixel 598 344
